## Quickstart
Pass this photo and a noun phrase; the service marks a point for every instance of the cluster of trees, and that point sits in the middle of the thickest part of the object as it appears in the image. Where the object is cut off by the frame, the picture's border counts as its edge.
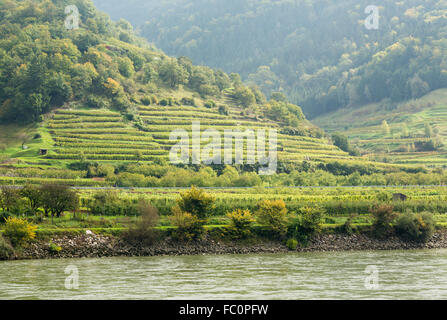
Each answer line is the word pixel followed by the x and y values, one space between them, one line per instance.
pixel 52 200
pixel 319 52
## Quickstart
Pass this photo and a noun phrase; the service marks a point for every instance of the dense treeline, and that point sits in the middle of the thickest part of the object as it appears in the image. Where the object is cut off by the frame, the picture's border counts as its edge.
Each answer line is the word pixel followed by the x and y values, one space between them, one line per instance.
pixel 318 52
pixel 163 175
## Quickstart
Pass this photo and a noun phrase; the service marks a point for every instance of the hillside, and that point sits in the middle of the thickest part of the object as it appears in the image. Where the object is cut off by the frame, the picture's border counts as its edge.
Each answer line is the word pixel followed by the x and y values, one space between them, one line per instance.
pixel 96 106
pixel 414 131
pixel 318 52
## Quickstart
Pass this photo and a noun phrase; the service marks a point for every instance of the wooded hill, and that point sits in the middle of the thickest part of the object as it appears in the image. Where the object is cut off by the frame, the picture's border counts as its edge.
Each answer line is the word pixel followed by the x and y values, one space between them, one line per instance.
pixel 319 52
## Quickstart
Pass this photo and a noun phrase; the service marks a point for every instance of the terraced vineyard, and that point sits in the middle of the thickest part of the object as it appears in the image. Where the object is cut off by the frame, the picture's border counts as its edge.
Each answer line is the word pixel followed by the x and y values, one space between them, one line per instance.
pixel 105 136
pixel 99 135
pixel 108 137
pixel 404 141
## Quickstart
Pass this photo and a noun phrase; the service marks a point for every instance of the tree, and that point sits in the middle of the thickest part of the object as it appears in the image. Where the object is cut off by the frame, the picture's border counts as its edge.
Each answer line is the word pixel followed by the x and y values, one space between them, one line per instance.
pixel 34 197
pixel 341 141
pixel 197 202
pixel 173 74
pixel 244 96
pixel 58 198
pixel 9 199
pixel 278 96
pixel 126 67
pixel 272 213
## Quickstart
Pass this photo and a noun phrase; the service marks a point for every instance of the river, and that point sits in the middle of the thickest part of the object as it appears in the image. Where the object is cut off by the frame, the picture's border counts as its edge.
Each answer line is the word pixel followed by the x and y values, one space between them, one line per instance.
pixel 416 274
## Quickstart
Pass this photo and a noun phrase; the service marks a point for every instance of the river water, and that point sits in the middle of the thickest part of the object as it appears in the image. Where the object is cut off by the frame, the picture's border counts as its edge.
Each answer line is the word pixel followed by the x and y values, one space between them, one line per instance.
pixel 418 274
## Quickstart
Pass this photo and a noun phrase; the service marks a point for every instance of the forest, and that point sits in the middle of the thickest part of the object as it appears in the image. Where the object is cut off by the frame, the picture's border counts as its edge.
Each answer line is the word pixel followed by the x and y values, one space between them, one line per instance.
pixel 317 52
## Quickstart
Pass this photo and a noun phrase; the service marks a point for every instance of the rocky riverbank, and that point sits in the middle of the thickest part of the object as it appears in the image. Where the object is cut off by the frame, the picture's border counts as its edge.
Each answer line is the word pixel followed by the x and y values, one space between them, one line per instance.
pixel 94 246
pixel 355 242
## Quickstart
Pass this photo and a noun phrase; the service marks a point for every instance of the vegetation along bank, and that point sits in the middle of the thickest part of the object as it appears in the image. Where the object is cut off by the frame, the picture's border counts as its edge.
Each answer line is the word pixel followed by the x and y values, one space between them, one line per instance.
pixel 53 221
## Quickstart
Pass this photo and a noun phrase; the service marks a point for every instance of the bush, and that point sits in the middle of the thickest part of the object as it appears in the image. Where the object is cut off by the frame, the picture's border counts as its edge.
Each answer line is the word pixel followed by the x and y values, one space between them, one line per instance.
pixel 383 218
pixel 143 232
pixel 415 226
pixel 272 213
pixel 310 220
pixel 4 215
pixel 188 101
pixel 189 227
pixel 347 226
pixel 6 250
pixel 240 223
pixel 19 231
pixel 306 224
pixel 223 110
pixel 197 202
pixel 210 104
pixel 146 100
pixel 292 244
pixel 54 248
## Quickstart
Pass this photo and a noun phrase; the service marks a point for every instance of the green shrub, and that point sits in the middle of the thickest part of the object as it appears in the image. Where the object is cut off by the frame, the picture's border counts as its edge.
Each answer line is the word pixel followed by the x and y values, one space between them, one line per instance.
pixel 146 100
pixel 188 101
pixel 189 227
pixel 306 224
pixel 240 223
pixel 384 216
pixel 223 110
pixel 310 220
pixel 210 104
pixel 143 232
pixel 415 226
pixel 292 244
pixel 272 213
pixel 347 226
pixel 6 250
pixel 197 202
pixel 54 248
pixel 3 216
pixel 19 231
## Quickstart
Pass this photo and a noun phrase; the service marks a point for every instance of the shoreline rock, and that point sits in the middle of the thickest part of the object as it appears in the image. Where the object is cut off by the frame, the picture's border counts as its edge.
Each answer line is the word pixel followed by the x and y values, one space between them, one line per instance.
pixel 97 246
